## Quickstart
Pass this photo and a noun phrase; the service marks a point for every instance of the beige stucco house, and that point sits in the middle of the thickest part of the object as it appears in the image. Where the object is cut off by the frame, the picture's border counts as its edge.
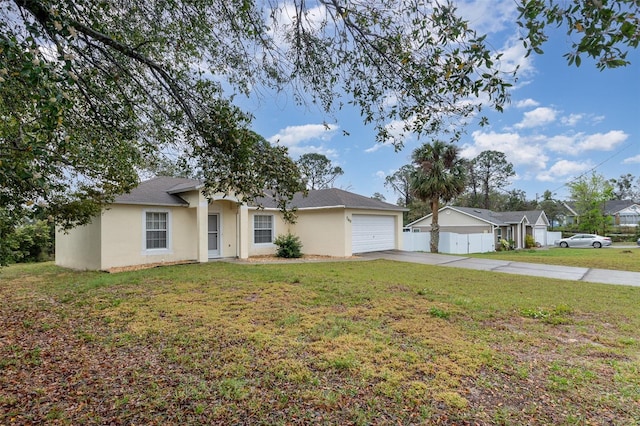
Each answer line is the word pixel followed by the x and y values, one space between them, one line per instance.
pixel 167 220
pixel 511 226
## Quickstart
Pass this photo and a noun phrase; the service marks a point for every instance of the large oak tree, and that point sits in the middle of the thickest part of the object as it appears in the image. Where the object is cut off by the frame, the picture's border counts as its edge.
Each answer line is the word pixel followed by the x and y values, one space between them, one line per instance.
pixel 90 90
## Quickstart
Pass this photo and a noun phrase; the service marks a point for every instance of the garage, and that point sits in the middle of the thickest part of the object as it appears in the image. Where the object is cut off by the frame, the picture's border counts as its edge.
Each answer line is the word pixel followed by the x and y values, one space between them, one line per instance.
pixel 372 233
pixel 540 236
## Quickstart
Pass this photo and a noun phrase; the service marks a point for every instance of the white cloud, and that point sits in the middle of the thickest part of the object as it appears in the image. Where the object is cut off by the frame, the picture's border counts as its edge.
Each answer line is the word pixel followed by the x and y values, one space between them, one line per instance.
pixel 563 169
pixel 579 143
pixel 377 146
pixel 632 160
pixel 526 103
pixel 514 56
pixel 488 16
pixel 603 142
pixel 519 150
pixel 293 137
pixel 572 119
pixel 380 174
pixel 397 134
pixel 565 144
pixel 537 117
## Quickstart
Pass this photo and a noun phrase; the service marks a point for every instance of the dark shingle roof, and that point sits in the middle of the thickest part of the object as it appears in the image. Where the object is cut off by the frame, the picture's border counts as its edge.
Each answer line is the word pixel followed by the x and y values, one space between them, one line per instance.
pixel 497 218
pixel 332 197
pixel 163 191
pixel 614 206
pixel 159 191
pixel 517 216
pixel 484 214
pixel 611 207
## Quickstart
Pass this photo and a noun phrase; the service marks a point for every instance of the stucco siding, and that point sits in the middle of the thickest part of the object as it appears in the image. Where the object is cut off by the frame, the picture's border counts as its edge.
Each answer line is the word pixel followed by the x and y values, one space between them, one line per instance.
pixel 79 248
pixel 123 239
pixel 322 232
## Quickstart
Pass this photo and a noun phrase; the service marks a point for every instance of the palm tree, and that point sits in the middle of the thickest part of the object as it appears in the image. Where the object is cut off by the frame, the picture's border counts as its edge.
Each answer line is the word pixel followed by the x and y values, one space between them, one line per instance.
pixel 440 176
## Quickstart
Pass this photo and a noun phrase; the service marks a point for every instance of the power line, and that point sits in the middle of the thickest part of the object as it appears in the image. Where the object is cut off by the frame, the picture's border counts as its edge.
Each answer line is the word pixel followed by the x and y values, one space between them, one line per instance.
pixel 594 167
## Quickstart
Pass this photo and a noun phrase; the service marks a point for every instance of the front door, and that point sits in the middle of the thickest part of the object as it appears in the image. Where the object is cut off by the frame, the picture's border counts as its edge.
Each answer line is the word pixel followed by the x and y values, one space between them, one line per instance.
pixel 213 236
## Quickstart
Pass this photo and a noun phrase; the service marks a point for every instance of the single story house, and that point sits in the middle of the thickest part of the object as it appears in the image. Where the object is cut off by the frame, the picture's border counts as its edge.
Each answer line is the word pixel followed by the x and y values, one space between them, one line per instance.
pixel 622 212
pixel 169 220
pixel 503 225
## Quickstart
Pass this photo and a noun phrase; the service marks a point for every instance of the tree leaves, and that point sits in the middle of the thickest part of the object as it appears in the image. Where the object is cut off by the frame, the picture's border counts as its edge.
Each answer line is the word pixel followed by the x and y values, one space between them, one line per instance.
pixel 90 89
pixel 317 170
pixel 605 30
pixel 440 175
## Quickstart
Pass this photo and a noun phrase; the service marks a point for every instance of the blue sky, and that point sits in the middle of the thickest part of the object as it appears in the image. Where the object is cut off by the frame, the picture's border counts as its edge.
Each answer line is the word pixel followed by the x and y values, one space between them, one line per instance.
pixel 562 121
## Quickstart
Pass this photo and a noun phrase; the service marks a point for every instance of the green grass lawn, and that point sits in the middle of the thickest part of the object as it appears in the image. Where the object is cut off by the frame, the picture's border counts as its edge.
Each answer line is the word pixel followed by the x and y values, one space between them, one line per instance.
pixel 624 259
pixel 319 343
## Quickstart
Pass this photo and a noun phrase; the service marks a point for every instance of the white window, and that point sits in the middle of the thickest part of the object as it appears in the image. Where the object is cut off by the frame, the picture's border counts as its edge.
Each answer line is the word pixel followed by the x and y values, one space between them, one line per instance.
pixel 156 231
pixel 262 229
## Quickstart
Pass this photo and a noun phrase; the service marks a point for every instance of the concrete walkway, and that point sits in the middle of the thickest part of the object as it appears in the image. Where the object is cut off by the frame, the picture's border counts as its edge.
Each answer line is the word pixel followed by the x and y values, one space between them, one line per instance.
pixel 605 276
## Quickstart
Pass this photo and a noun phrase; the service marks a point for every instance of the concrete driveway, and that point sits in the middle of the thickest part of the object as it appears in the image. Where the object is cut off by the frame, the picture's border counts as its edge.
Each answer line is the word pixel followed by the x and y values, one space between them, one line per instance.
pixel 605 276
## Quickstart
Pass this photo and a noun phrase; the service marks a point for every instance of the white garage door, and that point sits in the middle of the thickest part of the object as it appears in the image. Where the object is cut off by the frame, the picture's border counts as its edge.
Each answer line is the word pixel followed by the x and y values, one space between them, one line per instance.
pixel 372 233
pixel 540 236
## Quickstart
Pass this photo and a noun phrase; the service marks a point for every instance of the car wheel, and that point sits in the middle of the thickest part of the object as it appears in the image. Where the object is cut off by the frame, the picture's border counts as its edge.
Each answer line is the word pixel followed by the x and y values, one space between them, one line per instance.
pixel 564 244
pixel 597 244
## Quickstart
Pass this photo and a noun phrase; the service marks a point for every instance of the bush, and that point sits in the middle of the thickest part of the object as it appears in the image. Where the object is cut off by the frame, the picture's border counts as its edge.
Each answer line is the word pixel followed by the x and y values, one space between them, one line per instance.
pixel 289 246
pixel 30 242
pixel 529 241
pixel 505 245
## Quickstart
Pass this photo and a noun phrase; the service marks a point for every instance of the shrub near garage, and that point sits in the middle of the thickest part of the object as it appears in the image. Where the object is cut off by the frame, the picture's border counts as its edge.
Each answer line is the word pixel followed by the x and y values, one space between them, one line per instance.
pixel 529 241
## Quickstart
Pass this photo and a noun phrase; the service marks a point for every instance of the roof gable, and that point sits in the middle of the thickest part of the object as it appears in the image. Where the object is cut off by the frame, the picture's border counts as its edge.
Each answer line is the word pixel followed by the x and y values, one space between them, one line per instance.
pixel 159 191
pixel 612 207
pixel 495 218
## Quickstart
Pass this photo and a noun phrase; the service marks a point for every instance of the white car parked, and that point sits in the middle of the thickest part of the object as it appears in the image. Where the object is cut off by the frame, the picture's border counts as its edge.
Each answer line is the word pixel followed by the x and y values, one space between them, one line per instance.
pixel 584 240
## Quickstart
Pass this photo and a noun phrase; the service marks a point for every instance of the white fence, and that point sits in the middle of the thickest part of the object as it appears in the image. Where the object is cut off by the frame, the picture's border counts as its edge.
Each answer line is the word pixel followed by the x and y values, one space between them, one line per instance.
pixel 552 237
pixel 449 242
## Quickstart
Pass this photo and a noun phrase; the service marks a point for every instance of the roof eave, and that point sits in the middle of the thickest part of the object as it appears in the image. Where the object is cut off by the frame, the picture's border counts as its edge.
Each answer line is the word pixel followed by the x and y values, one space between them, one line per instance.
pixel 142 203
pixel 399 209
pixel 189 189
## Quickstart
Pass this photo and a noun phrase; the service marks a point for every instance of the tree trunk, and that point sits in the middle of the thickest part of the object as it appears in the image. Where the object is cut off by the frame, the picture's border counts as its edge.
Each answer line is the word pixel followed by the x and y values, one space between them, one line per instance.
pixel 435 227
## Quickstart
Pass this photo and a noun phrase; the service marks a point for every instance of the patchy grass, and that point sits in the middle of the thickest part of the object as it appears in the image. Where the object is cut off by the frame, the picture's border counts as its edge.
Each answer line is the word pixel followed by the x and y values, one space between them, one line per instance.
pixel 605 258
pixel 326 343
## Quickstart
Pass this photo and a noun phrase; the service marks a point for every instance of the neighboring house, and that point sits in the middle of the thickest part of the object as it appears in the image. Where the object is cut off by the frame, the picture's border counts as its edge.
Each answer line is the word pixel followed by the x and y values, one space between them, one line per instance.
pixel 167 220
pixel 513 226
pixel 622 212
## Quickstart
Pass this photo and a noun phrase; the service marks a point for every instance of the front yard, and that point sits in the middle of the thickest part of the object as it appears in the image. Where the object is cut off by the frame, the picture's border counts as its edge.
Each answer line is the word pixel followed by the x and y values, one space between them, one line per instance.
pixel 623 259
pixel 321 343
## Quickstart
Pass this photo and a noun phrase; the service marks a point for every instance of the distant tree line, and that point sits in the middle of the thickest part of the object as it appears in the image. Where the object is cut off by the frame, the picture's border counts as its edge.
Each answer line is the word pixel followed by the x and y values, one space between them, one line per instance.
pixel 438 175
pixel 485 178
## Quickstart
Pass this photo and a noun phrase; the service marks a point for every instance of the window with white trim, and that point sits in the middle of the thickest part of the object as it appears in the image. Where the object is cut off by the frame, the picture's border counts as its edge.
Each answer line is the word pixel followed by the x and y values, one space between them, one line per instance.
pixel 156 230
pixel 262 229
